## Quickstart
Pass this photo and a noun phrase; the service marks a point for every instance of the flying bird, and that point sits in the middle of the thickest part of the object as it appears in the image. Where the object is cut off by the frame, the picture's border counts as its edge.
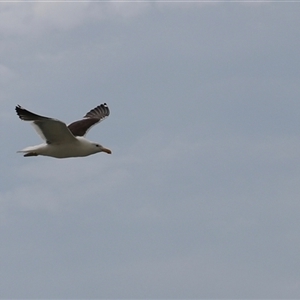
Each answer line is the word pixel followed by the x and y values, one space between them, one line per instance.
pixel 62 141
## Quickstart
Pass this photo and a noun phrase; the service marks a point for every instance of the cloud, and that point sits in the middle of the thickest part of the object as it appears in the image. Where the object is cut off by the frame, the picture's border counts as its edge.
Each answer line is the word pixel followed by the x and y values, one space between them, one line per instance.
pixel 62 16
pixel 36 18
pixel 15 19
pixel 6 74
pixel 200 196
pixel 40 186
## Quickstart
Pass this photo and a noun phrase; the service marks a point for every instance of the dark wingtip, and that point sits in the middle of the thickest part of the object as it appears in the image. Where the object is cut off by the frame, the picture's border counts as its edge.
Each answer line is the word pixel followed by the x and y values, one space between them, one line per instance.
pixel 18 110
pixel 99 112
pixel 27 115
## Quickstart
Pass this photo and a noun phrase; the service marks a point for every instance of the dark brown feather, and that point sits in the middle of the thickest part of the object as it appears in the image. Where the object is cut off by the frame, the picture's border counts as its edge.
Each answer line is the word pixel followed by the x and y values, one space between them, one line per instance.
pixel 100 112
pixel 97 114
pixel 79 128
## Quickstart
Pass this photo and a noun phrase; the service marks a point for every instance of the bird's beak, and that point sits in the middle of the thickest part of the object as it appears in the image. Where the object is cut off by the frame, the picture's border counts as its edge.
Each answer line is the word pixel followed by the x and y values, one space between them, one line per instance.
pixel 106 150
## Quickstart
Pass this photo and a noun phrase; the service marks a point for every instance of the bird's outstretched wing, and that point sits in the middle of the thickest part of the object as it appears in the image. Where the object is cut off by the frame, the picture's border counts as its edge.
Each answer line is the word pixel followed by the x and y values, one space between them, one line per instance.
pixel 94 116
pixel 51 130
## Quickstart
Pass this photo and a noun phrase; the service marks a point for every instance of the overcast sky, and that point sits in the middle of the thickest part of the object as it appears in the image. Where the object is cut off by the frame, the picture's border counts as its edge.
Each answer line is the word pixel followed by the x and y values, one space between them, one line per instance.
pixel 201 196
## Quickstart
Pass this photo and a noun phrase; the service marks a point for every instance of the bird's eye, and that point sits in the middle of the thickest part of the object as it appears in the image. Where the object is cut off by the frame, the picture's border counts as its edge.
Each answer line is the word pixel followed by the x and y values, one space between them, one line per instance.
pixel 97 145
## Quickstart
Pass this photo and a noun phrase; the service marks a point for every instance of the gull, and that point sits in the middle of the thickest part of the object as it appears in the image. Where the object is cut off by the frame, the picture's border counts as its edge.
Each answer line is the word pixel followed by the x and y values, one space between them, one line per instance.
pixel 62 141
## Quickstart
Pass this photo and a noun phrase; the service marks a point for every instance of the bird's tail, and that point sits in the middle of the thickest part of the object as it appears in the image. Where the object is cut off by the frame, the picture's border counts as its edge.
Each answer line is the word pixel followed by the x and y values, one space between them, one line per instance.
pixel 29 151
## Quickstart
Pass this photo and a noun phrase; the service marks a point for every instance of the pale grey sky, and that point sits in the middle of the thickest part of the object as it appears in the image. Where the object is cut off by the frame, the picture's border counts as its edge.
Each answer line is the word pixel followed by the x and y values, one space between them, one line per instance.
pixel 200 198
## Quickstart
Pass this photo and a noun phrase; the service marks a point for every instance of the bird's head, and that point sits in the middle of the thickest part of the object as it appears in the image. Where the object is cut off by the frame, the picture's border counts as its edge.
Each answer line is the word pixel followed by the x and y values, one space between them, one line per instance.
pixel 100 148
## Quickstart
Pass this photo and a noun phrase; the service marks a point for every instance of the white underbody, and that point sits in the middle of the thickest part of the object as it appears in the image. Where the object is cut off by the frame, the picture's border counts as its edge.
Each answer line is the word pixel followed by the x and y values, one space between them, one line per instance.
pixel 80 147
